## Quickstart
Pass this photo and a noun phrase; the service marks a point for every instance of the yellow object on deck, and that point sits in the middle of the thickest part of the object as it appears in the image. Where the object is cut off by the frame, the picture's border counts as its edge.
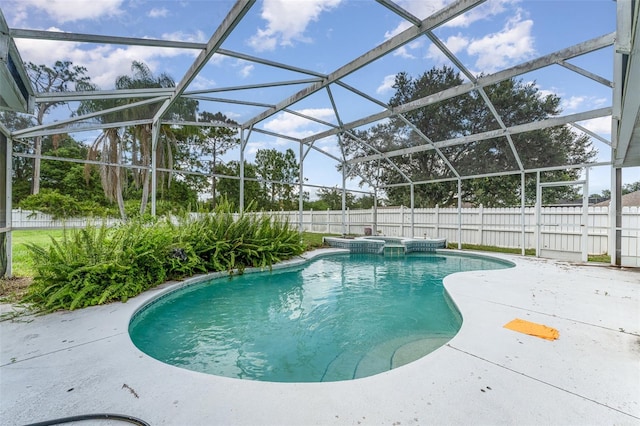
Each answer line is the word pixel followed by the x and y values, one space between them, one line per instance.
pixel 533 329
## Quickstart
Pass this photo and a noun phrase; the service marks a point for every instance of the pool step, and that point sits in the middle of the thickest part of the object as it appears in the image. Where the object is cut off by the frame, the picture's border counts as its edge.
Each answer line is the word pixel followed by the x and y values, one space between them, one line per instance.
pixel 417 349
pixel 342 367
pixel 383 357
pixel 398 352
pixel 394 249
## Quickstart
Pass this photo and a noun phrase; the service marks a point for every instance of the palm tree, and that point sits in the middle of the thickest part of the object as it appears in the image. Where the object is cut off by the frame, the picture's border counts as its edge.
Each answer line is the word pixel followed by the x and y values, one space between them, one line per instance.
pixel 136 140
pixel 107 147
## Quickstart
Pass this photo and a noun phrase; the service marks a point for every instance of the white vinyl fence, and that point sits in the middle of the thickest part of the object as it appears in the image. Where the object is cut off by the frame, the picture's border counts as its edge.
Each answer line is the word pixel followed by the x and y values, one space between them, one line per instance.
pixel 560 230
pixel 27 219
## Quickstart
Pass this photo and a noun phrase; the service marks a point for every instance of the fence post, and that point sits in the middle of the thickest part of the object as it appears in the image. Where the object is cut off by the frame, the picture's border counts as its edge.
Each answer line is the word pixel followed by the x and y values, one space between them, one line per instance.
pixel 480 223
pixel 328 223
pixel 348 221
pixel 402 221
pixel 437 232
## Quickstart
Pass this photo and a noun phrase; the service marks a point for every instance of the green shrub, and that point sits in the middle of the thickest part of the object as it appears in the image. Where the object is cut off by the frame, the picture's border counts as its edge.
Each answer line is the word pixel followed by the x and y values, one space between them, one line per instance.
pixel 49 201
pixel 98 265
pixel 61 206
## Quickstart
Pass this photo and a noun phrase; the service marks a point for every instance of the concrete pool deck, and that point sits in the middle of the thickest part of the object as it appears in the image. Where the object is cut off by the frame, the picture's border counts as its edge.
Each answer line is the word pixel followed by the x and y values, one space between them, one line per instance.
pixel 72 363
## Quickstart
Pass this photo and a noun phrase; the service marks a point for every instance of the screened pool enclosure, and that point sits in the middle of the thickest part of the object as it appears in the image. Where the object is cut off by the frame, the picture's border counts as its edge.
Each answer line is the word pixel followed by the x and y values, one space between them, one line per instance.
pixel 324 101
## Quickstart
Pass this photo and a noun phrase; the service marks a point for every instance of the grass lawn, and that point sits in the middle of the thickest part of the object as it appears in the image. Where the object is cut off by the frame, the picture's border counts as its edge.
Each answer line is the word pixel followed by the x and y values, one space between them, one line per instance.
pixel 22 264
pixel 597 258
pixel 527 252
pixel 12 289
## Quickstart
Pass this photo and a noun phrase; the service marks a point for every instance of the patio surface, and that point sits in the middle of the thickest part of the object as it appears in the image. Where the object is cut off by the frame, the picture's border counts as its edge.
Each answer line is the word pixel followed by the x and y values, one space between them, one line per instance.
pixel 72 363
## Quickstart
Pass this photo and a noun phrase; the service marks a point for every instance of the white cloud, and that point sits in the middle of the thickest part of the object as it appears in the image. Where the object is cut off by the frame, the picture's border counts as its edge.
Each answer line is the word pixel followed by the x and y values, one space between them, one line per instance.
pixel 514 43
pixel 233 115
pixel 287 22
pixel 246 71
pixel 397 30
pixel 158 12
pixel 403 51
pixel 195 37
pixel 253 147
pixel 419 8
pixel 423 9
pixel 454 43
pixel 202 83
pixel 576 103
pixel 104 63
pixel 484 11
pixel 72 10
pixel 600 125
pixel 573 103
pixel 296 126
pixel 387 84
pixel 543 93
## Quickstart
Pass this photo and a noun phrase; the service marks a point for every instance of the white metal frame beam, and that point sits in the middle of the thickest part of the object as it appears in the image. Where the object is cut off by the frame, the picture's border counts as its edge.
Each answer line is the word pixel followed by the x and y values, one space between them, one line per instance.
pixel 520 128
pixel 233 18
pixel 433 21
pixel 541 62
pixel 630 96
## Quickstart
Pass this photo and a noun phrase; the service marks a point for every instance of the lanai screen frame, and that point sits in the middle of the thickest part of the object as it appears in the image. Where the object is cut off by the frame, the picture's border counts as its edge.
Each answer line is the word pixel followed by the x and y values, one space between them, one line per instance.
pixel 317 82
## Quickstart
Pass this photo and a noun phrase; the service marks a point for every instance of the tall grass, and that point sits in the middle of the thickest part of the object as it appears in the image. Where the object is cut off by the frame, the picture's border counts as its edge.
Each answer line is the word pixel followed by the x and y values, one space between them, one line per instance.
pixel 97 264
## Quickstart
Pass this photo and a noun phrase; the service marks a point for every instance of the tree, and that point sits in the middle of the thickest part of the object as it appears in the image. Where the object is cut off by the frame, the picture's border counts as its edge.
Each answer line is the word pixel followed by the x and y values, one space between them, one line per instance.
pixel 515 101
pixel 279 173
pixel 213 142
pixel 364 202
pixel 631 187
pixel 112 144
pixel 22 167
pixel 332 197
pixel 230 188
pixel 66 177
pixel 47 80
pixel 627 188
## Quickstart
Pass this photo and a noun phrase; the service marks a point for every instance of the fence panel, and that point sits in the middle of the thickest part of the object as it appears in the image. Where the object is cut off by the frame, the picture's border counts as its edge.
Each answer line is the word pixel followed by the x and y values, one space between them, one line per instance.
pixel 27 219
pixel 631 236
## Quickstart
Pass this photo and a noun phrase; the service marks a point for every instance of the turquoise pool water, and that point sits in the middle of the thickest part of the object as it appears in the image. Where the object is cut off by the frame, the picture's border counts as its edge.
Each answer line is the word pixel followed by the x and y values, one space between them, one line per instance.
pixel 336 318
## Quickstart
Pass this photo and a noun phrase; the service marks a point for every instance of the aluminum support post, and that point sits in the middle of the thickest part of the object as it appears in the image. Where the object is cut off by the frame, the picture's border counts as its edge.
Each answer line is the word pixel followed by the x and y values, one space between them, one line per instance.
pixel 523 234
pixel 155 137
pixel 459 214
pixel 301 189
pixel 242 146
pixel 585 217
pixel 413 221
pixel 538 212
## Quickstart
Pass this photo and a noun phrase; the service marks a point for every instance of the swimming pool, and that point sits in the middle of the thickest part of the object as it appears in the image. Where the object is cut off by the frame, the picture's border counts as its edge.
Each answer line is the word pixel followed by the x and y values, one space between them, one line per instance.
pixel 338 317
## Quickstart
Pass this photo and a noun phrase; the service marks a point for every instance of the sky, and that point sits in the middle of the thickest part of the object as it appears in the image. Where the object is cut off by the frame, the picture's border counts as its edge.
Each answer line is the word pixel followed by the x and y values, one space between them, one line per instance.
pixel 321 36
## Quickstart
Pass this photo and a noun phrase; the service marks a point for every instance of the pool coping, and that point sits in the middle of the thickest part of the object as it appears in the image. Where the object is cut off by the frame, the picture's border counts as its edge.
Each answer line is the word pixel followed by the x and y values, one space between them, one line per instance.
pixel 69 363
